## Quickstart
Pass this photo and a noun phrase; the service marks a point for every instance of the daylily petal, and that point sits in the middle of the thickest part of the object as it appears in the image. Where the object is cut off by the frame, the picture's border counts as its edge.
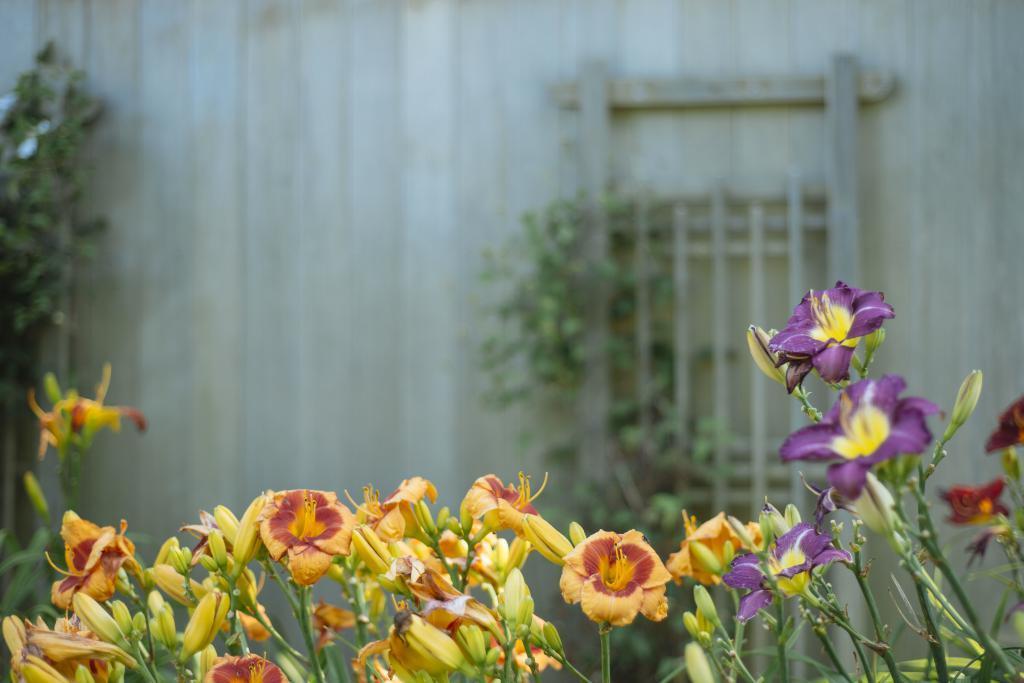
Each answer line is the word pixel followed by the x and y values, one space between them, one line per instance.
pixel 848 478
pixel 617 608
pixel 833 363
pixel 752 603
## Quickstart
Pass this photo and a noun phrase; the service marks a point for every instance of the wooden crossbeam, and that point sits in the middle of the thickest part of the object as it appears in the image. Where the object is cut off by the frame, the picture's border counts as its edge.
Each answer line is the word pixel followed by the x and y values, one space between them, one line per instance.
pixel 695 93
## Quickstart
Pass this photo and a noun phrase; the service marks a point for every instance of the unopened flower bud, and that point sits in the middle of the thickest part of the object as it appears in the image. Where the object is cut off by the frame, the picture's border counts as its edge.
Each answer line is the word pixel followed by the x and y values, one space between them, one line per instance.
pixel 37 497
pixel 421 511
pixel 874 341
pixel 36 670
pixel 500 553
pixel 471 639
pixel 176 559
pixel 139 624
pixel 792 515
pixel 371 550
pixel 728 553
pixel 209 564
pixel 515 593
pixel 443 515
pixel 757 342
pixel 52 387
pixel 165 630
pixel 1011 463
pixel 874 506
pixel 697 668
pixel 162 557
pixel 690 624
pixel 454 525
pixel 431 643
pixel 247 540
pixel 546 539
pixel 97 620
pixel 1018 625
pixel 777 525
pixel 466 521
pixel 966 402
pixel 704 558
pixel 705 605
pixel 83 675
pixel 116 673
pixel 740 530
pixel 206 621
pixel 226 522
pixel 122 616
pixel 493 655
pixel 206 659
pixel 577 534
pixel 517 551
pixel 218 550
pixel 168 580
pixel 552 638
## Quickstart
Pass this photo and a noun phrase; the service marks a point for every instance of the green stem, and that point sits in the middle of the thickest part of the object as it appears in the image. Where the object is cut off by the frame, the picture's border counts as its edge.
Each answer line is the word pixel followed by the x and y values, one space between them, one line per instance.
pixel 740 626
pixel 813 413
pixel 568 665
pixel 140 656
pixel 830 650
pixel 606 653
pixel 876 620
pixel 236 623
pixel 780 644
pixel 934 638
pixel 303 598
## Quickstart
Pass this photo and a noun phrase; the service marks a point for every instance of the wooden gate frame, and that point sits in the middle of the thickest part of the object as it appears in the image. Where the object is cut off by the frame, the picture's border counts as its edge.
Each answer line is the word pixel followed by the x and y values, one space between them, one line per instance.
pixel 840 92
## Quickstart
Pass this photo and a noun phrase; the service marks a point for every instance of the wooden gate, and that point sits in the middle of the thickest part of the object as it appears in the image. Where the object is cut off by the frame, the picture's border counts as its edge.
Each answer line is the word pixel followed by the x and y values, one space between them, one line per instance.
pixel 718 233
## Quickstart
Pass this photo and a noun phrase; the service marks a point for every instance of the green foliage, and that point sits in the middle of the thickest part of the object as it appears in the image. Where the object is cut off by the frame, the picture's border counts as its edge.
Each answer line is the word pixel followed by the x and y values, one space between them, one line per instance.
pixel 43 124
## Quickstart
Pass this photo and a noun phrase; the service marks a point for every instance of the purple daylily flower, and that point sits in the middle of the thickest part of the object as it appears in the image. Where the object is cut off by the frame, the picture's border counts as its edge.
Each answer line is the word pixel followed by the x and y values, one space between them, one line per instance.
pixel 824 330
pixel 868 424
pixel 796 553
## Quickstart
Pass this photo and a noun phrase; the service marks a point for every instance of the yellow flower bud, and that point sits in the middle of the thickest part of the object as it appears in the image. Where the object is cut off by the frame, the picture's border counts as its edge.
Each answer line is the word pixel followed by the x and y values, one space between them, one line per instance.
pixel 371 550
pixel 37 497
pixel 52 387
pixel 1018 626
pixel 466 519
pixel 165 630
pixel 697 667
pixel 741 532
pixel 209 564
pixel 966 402
pixel 116 674
pixel 165 549
pixel 218 550
pixel 728 553
pixel 155 602
pixel 172 584
pixel 122 616
pixel 97 620
pixel 704 558
pixel 576 533
pixel 206 659
pixel 36 670
pixel 546 539
pixel 226 522
pixel 517 552
pixel 690 624
pixel 421 511
pixel 15 634
pixel 139 623
pixel 247 540
pixel 432 644
pixel 471 639
pixel 757 342
pixel 206 621
pixel 443 515
pixel 514 596
pixel 500 553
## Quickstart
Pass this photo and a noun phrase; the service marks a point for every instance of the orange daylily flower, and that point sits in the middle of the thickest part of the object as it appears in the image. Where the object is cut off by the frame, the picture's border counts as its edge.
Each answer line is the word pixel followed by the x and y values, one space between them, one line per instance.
pixel 64 648
pixel 390 517
pixel 713 535
pixel 501 506
pixel 444 606
pixel 413 645
pixel 615 577
pixel 76 417
pixel 311 527
pixel 247 669
pixel 93 555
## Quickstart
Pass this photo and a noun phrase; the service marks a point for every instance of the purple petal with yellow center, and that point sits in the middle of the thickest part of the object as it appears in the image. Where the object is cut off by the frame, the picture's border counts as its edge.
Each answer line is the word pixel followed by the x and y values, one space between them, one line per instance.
pixel 752 603
pixel 833 363
pixel 745 572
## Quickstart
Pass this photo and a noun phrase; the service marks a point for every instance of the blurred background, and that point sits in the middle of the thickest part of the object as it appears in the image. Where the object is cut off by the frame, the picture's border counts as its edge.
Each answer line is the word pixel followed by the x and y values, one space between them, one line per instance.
pixel 314 270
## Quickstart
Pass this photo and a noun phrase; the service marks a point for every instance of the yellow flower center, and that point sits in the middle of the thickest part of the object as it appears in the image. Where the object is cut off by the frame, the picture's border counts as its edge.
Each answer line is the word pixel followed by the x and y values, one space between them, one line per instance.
pixel 796 584
pixel 256 670
pixel 616 573
pixel 306 525
pixel 864 429
pixel 834 321
pixel 985 506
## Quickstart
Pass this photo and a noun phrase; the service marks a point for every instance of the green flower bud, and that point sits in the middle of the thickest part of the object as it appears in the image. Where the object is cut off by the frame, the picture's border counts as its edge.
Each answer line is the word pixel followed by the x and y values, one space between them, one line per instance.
pixel 209 564
pixel 576 533
pixel 966 402
pixel 1011 464
pixel 116 674
pixel 704 558
pixel 697 668
pixel 690 624
pixel 765 360
pixel 423 517
pixel 792 516
pixel 82 675
pixel 705 605
pixel 874 341
pixel 37 497
pixel 442 517
pixel 52 387
pixel 122 616
pixel 552 638
pixel 218 549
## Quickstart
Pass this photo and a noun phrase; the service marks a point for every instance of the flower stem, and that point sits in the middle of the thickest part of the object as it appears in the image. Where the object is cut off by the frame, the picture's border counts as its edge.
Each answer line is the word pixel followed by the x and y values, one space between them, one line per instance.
pixel 780 612
pixel 305 622
pixel 876 620
pixel 606 653
pixel 830 650
pixel 568 665
pixel 934 637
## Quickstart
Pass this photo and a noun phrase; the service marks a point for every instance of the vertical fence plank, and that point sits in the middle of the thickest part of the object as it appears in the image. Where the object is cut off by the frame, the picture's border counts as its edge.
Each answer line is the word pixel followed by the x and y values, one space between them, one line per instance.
pixel 642 268
pixel 758 419
pixel 720 341
pixel 681 340
pixel 841 168
pixel 795 261
pixel 595 398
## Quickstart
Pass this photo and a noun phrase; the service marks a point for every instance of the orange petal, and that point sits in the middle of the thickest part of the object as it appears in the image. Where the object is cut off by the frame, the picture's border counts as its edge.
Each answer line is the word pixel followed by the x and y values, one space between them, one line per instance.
pixel 654 605
pixel 307 564
pixel 616 608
